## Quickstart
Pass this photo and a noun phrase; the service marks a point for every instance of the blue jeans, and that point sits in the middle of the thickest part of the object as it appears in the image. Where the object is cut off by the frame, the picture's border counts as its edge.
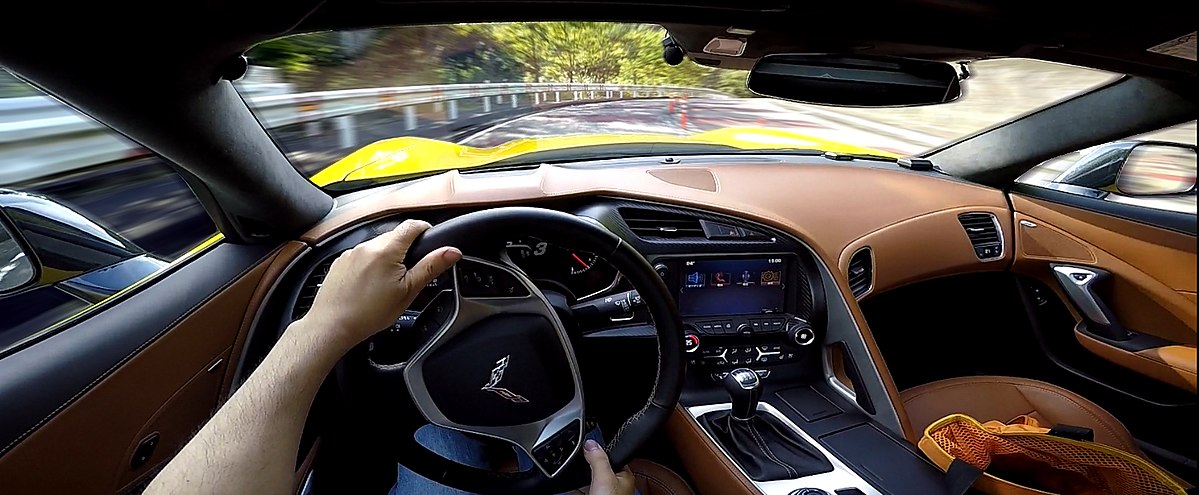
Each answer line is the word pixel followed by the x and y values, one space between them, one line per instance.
pixel 456 447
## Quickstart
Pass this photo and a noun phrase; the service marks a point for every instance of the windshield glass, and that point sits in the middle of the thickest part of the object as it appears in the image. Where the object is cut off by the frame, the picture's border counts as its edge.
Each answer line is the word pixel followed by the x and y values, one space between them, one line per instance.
pixel 362 107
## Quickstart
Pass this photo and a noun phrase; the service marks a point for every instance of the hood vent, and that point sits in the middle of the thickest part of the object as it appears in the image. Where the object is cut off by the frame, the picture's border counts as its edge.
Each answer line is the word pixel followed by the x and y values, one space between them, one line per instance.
pixel 983 231
pixel 308 291
pixel 655 224
pixel 861 272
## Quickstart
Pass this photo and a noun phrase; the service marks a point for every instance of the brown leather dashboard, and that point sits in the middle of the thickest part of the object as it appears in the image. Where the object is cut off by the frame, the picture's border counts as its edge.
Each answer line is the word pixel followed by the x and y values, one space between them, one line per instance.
pixel 903 216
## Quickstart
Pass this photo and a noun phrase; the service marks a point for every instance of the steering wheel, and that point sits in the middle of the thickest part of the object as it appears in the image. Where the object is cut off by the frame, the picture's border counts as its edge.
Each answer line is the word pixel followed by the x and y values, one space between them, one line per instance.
pixel 495 358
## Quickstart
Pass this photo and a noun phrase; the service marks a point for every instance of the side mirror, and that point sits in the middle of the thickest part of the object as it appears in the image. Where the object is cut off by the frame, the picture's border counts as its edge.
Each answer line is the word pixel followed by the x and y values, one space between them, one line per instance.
pixel 17 269
pixel 855 81
pixel 1155 169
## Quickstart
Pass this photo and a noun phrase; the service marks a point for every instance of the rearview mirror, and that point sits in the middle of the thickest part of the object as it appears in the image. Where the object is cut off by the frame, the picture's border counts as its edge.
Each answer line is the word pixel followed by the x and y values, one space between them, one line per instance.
pixel 16 269
pixel 1157 169
pixel 854 81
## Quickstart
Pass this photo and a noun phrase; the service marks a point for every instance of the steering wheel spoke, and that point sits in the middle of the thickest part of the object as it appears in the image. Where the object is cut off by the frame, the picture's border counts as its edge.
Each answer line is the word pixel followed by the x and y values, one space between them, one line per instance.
pixel 500 364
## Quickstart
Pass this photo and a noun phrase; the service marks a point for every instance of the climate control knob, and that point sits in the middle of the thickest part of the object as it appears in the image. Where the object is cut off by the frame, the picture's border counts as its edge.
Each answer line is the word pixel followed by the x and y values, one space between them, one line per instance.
pixel 800 332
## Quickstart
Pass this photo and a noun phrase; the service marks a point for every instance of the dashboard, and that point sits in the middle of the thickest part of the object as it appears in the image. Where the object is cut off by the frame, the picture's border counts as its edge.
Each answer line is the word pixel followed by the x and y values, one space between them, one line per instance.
pixel 758 252
pixel 745 291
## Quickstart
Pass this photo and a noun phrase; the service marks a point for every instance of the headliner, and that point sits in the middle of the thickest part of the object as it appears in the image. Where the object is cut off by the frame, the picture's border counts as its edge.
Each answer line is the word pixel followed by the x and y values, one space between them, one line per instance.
pixel 1081 33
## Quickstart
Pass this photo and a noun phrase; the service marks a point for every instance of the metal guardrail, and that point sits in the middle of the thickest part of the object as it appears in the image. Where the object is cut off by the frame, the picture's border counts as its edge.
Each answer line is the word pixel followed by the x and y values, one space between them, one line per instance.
pixel 39 136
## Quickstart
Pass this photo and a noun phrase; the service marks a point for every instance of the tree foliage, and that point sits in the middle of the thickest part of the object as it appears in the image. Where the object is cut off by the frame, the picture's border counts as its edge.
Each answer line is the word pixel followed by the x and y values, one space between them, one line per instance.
pixel 579 52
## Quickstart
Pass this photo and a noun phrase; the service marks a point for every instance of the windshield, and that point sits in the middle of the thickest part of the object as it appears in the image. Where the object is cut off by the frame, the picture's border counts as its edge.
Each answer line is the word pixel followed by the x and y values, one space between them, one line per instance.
pixel 361 107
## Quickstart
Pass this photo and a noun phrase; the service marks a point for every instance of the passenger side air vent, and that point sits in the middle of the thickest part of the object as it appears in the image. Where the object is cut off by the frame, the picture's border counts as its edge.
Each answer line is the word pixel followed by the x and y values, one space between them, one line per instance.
pixel 308 291
pixel 861 272
pixel 654 224
pixel 983 231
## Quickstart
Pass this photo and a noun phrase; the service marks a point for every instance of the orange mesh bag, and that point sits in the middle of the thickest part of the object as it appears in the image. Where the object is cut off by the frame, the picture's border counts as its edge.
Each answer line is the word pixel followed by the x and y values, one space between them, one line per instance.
pixel 1021 457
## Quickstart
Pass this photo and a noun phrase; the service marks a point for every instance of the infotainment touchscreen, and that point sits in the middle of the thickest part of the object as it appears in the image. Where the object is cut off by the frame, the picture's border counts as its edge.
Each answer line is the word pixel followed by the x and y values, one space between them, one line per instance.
pixel 712 287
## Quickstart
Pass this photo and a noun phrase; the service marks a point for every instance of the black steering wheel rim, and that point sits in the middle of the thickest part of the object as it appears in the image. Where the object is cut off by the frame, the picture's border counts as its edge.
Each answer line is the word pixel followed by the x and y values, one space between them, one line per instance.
pixel 481 232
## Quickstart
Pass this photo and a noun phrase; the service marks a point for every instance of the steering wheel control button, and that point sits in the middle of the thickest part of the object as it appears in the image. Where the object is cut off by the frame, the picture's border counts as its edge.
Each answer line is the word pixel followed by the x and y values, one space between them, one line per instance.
pixel 481 280
pixel 557 449
pixel 690 342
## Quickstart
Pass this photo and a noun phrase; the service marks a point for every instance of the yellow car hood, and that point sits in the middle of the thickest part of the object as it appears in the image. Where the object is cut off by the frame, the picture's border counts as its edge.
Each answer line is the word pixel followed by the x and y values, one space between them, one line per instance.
pixel 409 155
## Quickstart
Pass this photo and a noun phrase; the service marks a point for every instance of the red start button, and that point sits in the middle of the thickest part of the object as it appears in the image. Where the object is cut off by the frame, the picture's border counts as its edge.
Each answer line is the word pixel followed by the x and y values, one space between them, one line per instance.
pixel 690 342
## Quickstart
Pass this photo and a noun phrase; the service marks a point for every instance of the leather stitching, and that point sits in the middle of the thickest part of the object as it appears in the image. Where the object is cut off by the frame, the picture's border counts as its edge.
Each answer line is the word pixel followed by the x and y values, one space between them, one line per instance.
pixel 661 484
pixel 653 394
pixel 753 432
pixel 176 322
pixel 1029 384
pixel 714 452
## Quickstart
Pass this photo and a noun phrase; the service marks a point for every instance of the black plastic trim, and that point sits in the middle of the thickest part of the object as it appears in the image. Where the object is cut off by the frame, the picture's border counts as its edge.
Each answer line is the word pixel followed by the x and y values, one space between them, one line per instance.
pixel 998 155
pixel 41 380
pixel 1135 342
pixel 1182 223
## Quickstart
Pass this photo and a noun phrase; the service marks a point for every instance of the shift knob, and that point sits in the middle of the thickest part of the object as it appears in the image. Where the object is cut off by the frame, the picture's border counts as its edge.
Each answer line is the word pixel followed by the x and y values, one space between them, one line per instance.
pixel 745 388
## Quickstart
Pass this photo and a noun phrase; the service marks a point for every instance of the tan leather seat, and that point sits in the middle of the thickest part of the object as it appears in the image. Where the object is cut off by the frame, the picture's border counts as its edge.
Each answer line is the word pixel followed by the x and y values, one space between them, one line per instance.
pixel 656 479
pixel 653 479
pixel 1003 398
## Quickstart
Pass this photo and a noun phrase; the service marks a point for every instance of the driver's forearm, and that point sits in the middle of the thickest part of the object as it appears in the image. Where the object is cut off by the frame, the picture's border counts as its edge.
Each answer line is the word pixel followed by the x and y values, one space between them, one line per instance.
pixel 250 445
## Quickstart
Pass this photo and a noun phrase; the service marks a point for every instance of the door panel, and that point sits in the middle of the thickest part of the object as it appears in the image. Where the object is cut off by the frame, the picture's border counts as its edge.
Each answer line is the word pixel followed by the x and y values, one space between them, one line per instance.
pixel 154 362
pixel 1151 290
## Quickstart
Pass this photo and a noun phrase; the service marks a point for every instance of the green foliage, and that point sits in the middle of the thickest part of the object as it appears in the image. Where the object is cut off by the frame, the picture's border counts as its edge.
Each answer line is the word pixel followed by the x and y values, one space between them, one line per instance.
pixel 299 53
pixel 483 63
pixel 581 52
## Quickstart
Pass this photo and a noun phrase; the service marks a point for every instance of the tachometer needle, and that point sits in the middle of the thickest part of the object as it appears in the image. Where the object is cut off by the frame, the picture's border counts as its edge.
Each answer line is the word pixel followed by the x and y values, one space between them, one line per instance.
pixel 580 260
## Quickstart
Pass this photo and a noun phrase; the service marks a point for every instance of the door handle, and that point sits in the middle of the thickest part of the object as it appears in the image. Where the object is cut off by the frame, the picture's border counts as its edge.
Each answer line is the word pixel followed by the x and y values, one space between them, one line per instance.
pixel 1079 284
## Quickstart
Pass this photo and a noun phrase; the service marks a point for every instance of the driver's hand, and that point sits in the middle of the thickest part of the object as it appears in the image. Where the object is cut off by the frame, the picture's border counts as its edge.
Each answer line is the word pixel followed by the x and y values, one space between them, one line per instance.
pixel 603 480
pixel 368 287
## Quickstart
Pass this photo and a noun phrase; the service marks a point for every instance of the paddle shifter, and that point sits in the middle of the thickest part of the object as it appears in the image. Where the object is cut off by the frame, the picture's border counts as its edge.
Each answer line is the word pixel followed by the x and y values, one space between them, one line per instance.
pixel 745 388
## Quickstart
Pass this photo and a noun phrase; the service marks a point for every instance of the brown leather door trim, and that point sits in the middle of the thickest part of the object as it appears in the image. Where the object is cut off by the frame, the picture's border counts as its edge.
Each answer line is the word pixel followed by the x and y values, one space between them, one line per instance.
pixel 713 472
pixel 1173 365
pixel 287 255
pixel 83 448
pixel 1153 268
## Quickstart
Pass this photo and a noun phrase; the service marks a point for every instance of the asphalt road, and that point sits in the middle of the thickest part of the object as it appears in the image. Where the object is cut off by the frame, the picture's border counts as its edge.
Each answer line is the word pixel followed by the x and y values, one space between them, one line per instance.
pixel 147 202
pixel 660 116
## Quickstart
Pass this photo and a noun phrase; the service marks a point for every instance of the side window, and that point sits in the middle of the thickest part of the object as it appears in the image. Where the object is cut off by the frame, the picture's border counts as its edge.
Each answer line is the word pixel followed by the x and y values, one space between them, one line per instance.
pixel 1155 170
pixel 84 213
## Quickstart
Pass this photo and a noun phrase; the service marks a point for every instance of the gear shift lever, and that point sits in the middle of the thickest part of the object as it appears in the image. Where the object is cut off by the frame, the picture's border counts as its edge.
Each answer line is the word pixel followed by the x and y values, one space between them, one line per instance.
pixel 745 388
pixel 761 444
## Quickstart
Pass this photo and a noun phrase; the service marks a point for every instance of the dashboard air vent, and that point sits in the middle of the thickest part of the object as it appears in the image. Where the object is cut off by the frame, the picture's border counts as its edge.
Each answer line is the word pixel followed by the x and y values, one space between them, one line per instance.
pixel 654 224
pixel 308 291
pixel 861 272
pixel 983 231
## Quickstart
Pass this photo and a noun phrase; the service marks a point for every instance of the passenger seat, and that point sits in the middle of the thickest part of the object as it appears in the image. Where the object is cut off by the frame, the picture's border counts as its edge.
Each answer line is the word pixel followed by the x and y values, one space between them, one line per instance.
pixel 1003 398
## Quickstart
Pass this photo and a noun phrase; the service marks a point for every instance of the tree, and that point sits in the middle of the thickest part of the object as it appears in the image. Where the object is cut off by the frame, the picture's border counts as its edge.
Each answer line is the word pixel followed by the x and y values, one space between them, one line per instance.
pixel 572 52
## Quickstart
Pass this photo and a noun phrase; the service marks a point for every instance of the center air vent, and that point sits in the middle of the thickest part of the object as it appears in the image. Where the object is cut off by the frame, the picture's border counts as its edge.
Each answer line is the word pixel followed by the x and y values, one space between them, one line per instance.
pixel 308 291
pixel 662 225
pixel 861 272
pixel 983 231
pixel 654 224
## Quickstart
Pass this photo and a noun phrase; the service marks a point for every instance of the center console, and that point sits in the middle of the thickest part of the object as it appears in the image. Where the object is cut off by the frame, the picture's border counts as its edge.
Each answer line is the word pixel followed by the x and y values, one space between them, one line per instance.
pixel 782 395
pixel 741 310
pixel 761 388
